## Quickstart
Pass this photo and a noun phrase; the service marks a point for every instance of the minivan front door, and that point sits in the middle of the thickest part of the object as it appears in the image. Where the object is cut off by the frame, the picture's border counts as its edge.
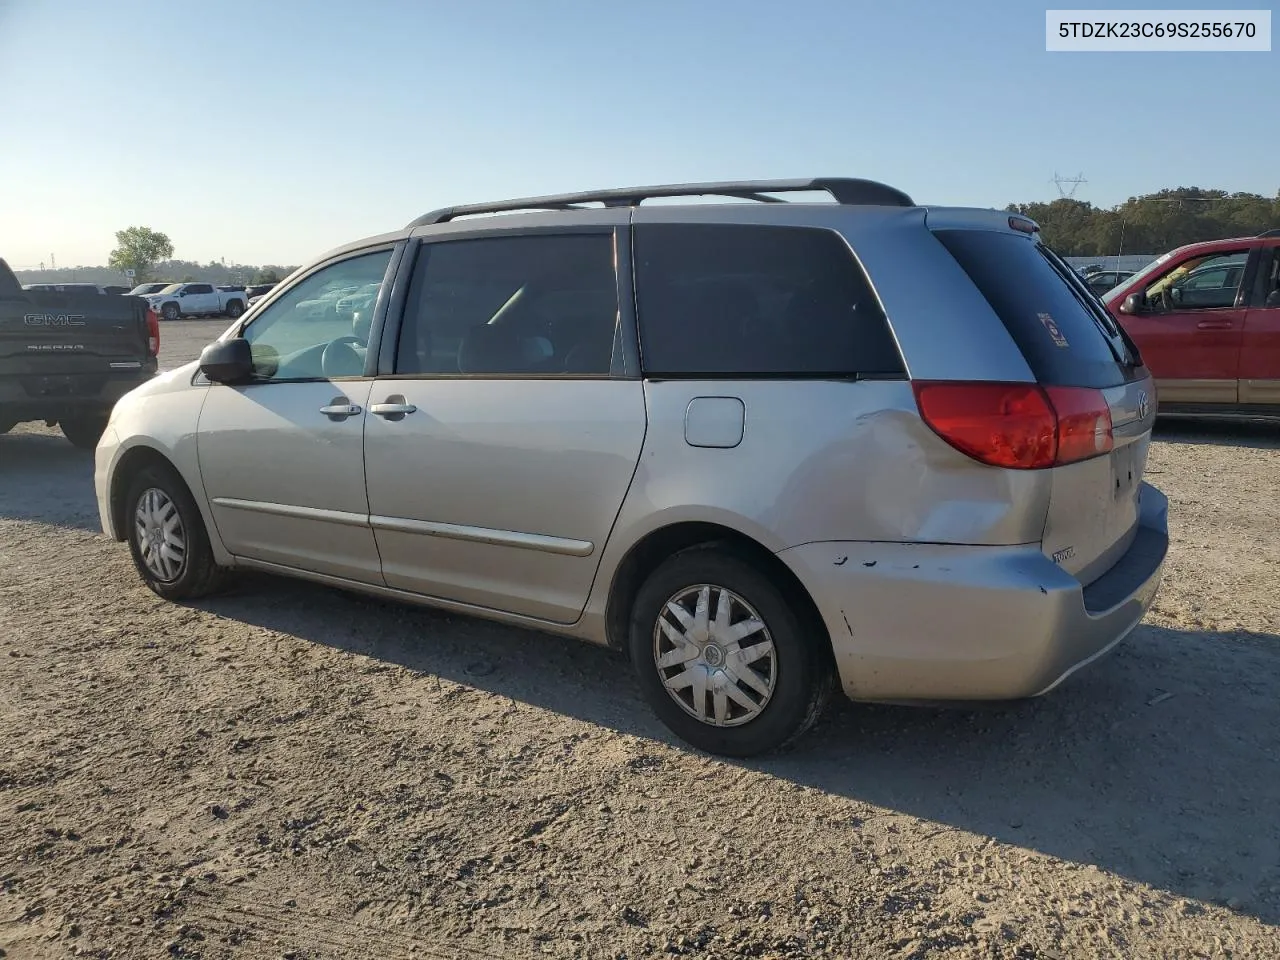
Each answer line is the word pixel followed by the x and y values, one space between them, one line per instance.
pixel 498 453
pixel 1192 328
pixel 282 458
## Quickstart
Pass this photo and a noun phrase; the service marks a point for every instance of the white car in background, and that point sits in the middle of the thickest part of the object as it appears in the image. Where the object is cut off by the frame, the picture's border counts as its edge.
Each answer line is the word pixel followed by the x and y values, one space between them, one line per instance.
pixel 197 300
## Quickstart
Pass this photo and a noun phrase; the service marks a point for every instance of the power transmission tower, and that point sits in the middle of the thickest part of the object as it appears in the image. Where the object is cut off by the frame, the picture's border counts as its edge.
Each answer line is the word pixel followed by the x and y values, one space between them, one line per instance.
pixel 1067 186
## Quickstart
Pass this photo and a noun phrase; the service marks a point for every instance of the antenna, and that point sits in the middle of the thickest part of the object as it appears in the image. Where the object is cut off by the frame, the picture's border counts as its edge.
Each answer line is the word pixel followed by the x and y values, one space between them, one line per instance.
pixel 1067 186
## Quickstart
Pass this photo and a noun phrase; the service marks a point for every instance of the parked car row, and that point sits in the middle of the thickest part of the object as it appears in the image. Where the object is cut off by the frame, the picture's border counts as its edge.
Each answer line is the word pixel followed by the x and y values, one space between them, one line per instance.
pixel 173 300
pixel 75 288
pixel 1100 281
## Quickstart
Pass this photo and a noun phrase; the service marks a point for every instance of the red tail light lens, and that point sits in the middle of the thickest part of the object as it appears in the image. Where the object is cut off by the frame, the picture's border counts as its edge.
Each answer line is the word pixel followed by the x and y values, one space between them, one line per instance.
pixel 1084 423
pixel 1019 426
pixel 153 333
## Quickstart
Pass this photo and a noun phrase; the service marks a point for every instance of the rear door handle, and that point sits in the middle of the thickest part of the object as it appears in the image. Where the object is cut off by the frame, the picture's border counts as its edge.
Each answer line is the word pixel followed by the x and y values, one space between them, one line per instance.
pixel 339 409
pixel 394 408
pixel 1214 325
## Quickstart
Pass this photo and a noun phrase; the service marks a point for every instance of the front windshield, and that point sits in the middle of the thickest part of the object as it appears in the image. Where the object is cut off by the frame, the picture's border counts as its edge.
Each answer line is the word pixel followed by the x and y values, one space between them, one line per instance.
pixel 171 288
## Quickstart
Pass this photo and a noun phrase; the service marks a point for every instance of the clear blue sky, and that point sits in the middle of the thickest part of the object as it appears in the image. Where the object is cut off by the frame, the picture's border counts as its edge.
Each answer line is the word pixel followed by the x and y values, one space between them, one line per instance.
pixel 270 130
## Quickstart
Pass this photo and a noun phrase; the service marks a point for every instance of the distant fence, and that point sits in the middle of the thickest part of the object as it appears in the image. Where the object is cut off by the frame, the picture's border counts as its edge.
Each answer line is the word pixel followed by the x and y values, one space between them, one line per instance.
pixel 1127 262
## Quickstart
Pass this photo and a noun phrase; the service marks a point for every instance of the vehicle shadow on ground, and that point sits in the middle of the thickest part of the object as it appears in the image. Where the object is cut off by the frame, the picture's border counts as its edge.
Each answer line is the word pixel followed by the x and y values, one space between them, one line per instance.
pixel 44 479
pixel 1261 434
pixel 1160 763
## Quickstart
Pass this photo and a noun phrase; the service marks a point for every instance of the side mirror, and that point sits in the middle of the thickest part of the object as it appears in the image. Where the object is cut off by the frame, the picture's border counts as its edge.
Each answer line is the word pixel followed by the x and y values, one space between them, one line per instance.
pixel 227 361
pixel 1132 304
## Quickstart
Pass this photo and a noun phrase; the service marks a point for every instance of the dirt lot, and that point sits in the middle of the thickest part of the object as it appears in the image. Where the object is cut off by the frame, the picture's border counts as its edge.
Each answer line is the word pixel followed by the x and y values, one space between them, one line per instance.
pixel 288 771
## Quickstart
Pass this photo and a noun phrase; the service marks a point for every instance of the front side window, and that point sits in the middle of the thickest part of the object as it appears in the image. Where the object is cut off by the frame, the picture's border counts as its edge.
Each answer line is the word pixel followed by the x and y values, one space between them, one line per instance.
pixel 733 300
pixel 533 305
pixel 1199 283
pixel 320 328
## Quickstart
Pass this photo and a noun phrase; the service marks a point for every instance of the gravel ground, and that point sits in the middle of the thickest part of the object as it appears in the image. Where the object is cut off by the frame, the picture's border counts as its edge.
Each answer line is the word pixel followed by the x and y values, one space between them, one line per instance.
pixel 290 771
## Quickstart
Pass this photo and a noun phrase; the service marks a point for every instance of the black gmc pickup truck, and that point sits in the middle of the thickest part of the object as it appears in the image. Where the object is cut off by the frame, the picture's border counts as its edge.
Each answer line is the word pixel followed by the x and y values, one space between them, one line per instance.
pixel 66 358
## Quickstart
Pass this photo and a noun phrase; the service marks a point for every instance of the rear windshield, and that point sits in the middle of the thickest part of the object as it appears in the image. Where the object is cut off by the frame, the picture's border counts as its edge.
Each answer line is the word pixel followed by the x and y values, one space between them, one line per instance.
pixel 1061 328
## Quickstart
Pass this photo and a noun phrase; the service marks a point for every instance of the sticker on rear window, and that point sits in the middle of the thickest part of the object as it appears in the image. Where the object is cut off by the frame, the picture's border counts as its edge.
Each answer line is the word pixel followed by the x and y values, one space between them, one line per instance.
pixel 1054 332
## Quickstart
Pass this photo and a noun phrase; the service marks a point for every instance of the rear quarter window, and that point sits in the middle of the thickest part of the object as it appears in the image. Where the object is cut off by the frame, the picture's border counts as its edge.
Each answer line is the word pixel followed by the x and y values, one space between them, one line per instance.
pixel 1061 336
pixel 721 300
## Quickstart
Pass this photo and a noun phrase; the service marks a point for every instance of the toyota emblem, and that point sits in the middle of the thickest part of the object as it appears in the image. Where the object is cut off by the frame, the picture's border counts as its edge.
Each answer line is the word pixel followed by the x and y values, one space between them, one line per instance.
pixel 1144 405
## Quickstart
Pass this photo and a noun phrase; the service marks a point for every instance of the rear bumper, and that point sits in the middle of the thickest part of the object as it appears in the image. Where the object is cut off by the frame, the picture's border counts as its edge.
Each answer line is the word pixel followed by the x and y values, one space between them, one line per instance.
pixel 943 622
pixel 57 396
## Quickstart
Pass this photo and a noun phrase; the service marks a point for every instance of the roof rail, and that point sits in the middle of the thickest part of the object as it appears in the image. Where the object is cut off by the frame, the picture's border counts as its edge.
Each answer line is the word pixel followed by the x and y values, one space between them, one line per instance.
pixel 843 190
pixel 1269 233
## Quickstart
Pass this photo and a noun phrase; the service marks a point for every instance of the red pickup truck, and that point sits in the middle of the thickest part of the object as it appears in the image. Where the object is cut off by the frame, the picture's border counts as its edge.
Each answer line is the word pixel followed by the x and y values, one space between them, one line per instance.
pixel 1206 318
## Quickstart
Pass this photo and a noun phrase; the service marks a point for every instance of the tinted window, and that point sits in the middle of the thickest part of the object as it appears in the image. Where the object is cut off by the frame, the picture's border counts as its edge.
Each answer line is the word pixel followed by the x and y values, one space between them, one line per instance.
pixel 544 305
pixel 320 327
pixel 200 288
pixel 756 301
pixel 1067 340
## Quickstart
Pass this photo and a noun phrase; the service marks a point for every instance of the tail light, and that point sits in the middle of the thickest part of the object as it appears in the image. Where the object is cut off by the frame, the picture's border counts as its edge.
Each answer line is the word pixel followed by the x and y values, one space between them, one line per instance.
pixel 1021 426
pixel 153 333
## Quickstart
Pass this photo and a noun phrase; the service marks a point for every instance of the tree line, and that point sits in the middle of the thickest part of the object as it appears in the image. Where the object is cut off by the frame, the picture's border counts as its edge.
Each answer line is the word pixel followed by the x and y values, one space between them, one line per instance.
pixel 175 271
pixel 149 254
pixel 1149 224
pixel 1153 223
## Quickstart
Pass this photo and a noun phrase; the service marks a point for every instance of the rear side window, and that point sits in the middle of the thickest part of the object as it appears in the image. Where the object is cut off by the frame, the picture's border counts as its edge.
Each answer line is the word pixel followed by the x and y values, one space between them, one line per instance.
pixel 1063 338
pixel 738 300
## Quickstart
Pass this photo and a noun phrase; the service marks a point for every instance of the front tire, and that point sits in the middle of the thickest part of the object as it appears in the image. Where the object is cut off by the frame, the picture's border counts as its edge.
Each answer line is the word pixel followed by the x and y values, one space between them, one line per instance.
pixel 170 311
pixel 727 662
pixel 167 537
pixel 83 432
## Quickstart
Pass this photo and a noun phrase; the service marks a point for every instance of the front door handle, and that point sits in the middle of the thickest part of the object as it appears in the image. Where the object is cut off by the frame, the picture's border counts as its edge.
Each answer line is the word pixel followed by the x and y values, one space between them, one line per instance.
pixel 1214 325
pixel 394 408
pixel 340 408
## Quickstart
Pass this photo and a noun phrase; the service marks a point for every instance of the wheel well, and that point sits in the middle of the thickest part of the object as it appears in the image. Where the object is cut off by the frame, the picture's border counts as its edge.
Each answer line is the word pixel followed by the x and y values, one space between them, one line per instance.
pixel 131 464
pixel 645 557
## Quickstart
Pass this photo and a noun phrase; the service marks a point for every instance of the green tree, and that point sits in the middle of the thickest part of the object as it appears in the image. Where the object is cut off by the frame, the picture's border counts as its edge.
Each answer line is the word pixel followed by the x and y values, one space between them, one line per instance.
pixel 265 276
pixel 1153 223
pixel 139 249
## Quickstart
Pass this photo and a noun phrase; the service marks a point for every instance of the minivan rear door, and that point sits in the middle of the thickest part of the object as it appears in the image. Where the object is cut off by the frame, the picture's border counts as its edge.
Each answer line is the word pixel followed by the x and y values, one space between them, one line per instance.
pixel 1069 340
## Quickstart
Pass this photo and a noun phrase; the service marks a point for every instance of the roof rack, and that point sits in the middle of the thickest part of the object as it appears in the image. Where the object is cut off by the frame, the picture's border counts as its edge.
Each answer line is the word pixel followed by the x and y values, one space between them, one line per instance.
pixel 1269 233
pixel 843 190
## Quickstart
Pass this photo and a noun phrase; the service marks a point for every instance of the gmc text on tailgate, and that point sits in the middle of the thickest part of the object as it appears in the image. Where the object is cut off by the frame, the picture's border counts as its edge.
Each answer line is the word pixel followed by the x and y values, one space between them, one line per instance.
pixel 66 358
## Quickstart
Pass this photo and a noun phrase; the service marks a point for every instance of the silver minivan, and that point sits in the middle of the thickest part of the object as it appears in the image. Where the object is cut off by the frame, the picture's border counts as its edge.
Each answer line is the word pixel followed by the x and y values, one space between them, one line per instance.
pixel 767 447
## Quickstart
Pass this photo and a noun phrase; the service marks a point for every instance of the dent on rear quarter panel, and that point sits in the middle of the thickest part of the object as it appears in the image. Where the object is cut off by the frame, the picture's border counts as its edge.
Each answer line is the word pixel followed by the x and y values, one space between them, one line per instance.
pixel 824 460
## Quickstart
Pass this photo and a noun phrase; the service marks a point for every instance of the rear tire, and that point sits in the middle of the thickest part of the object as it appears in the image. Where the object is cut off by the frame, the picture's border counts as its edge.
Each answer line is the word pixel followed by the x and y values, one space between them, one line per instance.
pixel 747 681
pixel 167 537
pixel 84 432
pixel 235 309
